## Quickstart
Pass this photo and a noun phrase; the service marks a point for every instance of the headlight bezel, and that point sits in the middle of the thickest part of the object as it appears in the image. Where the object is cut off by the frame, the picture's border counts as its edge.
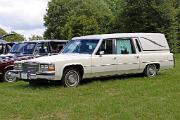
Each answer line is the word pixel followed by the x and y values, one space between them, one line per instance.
pixel 17 66
pixel 46 67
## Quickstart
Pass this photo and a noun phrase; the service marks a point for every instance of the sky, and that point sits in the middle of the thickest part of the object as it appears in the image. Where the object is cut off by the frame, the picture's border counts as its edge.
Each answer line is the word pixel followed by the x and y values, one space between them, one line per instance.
pixel 23 16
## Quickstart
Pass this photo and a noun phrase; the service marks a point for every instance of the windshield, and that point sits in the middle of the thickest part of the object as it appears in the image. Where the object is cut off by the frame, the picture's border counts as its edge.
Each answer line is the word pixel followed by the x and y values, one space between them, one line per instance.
pixel 81 46
pixel 16 47
pixel 23 48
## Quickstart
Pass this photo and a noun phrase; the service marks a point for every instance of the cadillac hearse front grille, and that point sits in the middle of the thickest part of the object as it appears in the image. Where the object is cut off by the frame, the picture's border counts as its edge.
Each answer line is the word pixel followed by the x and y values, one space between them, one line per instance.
pixel 30 67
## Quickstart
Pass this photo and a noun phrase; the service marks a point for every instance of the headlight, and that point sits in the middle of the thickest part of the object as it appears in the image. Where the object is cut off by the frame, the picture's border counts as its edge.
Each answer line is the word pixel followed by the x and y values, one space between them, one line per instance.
pixel 18 66
pixel 47 67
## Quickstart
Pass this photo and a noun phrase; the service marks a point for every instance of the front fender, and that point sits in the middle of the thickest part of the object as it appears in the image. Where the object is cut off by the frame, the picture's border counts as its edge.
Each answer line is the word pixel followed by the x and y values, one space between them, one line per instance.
pixel 9 67
pixel 60 70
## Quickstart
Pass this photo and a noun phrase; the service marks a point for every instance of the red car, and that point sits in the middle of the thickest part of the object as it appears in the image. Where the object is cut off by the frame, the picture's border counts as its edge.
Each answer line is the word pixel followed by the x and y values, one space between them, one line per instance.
pixel 27 50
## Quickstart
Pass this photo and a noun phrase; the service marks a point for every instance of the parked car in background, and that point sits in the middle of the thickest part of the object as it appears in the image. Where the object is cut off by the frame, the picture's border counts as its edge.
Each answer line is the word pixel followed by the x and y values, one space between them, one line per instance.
pixel 5 46
pixel 27 50
pixel 100 55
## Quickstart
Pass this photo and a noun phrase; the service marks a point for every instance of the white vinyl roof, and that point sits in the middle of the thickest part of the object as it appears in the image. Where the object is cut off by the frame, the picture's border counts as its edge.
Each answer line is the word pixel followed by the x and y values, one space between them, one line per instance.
pixel 118 35
pixel 47 41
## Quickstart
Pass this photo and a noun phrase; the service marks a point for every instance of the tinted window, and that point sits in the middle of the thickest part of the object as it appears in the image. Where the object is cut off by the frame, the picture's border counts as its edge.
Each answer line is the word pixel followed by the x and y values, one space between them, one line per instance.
pixel 124 46
pixel 23 48
pixel 42 48
pixel 16 48
pixel 56 47
pixel 28 48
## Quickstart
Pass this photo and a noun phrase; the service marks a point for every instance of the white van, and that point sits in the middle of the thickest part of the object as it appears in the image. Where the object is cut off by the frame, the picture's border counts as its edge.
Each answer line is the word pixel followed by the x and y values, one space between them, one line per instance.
pixel 100 55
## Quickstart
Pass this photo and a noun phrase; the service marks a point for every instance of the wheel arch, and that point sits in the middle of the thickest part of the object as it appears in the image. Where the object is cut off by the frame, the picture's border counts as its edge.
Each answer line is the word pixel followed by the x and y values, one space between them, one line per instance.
pixel 77 66
pixel 9 67
pixel 157 64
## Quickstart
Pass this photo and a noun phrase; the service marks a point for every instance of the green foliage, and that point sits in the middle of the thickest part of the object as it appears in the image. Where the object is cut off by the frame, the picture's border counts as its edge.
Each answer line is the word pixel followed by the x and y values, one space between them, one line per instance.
pixel 2 32
pixel 178 21
pixel 36 37
pixel 15 38
pixel 67 18
pixel 157 16
pixel 82 25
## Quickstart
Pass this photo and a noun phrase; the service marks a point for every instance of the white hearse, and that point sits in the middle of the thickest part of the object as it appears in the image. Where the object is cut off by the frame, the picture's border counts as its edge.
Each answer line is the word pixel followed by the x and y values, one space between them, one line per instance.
pixel 100 55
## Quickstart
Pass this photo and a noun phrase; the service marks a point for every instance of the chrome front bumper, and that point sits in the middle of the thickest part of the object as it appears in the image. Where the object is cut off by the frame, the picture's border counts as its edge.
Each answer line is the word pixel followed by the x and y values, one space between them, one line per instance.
pixel 28 76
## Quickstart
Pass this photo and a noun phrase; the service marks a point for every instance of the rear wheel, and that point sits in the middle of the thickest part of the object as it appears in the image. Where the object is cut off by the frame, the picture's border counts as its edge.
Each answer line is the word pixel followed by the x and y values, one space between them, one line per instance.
pixel 71 77
pixel 151 70
pixel 7 77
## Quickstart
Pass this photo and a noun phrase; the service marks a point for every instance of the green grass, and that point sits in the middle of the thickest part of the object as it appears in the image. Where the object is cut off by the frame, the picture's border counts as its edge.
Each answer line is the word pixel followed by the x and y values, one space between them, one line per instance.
pixel 117 98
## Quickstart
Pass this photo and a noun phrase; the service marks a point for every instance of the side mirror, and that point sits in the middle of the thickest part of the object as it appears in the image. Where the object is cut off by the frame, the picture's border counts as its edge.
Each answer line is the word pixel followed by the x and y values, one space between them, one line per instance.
pixel 49 54
pixel 101 53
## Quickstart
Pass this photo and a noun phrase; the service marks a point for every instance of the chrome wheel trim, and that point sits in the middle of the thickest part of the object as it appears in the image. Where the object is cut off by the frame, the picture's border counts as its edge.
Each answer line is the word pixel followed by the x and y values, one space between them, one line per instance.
pixel 151 70
pixel 72 78
pixel 9 77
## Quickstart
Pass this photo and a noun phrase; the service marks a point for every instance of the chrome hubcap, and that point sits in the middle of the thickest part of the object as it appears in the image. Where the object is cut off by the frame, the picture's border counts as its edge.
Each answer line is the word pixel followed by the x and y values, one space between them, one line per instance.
pixel 72 79
pixel 9 77
pixel 152 70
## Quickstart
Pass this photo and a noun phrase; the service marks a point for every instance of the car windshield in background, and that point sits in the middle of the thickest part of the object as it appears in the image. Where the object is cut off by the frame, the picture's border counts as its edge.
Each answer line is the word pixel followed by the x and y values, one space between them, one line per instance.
pixel 23 48
pixel 16 48
pixel 81 46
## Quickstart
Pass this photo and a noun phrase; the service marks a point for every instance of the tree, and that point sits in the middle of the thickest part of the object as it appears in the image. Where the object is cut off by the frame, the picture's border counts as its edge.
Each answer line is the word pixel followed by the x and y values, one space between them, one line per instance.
pixel 2 32
pixel 177 6
pixel 15 38
pixel 82 25
pixel 68 18
pixel 149 16
pixel 36 37
pixel 63 18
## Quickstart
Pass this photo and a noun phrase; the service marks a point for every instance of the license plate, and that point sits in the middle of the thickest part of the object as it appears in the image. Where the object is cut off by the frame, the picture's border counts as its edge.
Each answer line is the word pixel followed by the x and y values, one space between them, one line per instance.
pixel 24 76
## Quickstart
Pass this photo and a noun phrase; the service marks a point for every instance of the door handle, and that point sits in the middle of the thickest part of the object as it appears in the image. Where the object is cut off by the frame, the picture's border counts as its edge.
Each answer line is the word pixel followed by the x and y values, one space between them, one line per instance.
pixel 137 57
pixel 115 58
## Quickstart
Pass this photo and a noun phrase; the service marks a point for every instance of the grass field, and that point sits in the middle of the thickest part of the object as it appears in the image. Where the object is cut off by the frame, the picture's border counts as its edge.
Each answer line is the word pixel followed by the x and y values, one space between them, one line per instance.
pixel 120 98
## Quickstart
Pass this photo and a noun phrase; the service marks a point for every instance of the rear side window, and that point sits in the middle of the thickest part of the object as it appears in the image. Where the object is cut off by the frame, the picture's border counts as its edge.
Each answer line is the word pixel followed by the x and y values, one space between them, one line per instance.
pixel 124 46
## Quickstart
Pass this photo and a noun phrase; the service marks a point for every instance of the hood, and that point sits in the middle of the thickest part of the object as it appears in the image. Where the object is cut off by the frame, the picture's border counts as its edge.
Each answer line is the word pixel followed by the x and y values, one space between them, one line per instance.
pixel 7 56
pixel 60 57
pixel 14 57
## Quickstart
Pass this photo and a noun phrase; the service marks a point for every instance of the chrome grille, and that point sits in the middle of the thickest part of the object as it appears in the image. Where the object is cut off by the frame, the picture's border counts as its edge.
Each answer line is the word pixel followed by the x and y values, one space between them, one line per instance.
pixel 30 67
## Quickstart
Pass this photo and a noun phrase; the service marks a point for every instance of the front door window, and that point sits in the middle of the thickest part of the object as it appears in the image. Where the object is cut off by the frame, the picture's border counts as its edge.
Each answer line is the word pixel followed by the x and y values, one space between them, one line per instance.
pixel 106 46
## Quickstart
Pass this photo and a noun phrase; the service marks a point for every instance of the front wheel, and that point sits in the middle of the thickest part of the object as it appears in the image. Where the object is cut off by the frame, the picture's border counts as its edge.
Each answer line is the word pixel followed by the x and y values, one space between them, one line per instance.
pixel 7 77
pixel 151 70
pixel 71 77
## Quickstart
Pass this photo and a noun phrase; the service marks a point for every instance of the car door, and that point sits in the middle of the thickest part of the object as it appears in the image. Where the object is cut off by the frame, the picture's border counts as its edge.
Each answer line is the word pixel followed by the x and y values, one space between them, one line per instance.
pixel 127 57
pixel 104 64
